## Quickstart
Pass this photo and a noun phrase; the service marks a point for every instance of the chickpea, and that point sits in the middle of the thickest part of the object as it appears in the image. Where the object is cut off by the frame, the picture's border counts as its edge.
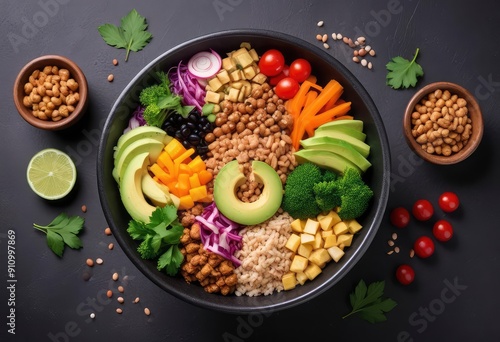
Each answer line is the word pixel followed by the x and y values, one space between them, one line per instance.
pixel 72 84
pixel 261 103
pixel 64 74
pixel 28 87
pixel 27 101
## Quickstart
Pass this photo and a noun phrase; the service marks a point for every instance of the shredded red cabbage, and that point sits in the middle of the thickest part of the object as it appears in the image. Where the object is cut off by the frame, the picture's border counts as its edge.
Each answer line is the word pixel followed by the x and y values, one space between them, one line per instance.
pixel 186 85
pixel 219 234
pixel 136 120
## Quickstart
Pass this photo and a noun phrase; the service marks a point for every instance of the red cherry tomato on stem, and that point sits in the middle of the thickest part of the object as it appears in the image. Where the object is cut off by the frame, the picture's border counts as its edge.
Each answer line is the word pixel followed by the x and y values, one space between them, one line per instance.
pixel 448 201
pixel 405 274
pixel 272 62
pixel 423 210
pixel 424 247
pixel 442 230
pixel 300 70
pixel 287 88
pixel 275 79
pixel 400 217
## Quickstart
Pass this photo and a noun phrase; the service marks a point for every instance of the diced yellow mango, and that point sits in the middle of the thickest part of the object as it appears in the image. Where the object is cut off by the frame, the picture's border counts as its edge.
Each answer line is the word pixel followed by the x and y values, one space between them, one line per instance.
pixel 311 226
pixel 306 239
pixel 354 226
pixel 330 241
pixel 318 241
pixel 340 228
pixel 299 264
pixel 336 253
pixel 304 250
pixel 293 242
pixel 312 271
pixel 298 225
pixel 320 257
pixel 345 239
pixel 289 281
pixel 301 278
pixel 326 233
pixel 328 221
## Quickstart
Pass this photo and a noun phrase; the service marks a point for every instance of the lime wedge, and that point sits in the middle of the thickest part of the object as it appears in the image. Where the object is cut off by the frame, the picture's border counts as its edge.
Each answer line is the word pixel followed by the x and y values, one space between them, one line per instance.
pixel 51 174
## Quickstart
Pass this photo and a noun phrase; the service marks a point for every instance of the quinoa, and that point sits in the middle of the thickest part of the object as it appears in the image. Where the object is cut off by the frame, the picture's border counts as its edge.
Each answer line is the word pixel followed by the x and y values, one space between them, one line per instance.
pixel 264 257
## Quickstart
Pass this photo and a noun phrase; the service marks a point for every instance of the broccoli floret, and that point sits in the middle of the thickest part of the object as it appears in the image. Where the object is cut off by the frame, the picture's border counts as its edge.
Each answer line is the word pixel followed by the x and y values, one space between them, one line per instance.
pixel 150 95
pixel 354 193
pixel 298 199
pixel 327 195
pixel 329 175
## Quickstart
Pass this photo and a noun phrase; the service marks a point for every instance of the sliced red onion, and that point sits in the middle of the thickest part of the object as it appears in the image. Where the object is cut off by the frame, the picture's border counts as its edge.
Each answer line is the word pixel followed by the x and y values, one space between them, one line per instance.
pixel 204 64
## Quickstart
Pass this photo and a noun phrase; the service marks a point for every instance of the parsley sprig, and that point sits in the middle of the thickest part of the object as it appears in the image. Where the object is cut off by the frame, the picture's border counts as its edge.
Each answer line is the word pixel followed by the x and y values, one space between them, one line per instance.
pixel 63 230
pixel 160 238
pixel 402 72
pixel 368 303
pixel 130 35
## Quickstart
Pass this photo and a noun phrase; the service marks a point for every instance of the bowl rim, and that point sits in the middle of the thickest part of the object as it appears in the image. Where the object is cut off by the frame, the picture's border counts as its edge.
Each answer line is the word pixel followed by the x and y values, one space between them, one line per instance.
pixel 380 203
pixel 75 71
pixel 478 122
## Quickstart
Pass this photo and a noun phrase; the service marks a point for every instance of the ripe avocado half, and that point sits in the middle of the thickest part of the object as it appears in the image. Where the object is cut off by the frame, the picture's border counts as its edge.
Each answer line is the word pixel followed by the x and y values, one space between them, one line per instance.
pixel 226 185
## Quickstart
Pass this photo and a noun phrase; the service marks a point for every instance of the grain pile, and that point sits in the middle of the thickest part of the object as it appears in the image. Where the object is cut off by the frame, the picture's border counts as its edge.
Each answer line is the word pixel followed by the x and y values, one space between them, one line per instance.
pixel 264 257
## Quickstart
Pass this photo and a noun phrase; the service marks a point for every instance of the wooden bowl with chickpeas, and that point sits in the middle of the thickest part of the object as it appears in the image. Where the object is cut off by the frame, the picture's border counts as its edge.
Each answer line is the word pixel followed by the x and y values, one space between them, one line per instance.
pixel 50 92
pixel 443 123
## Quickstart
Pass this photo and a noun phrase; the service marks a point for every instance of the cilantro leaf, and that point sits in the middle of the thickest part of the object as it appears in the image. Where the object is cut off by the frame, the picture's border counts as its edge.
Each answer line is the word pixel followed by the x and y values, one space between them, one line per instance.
pixel 131 35
pixel 63 230
pixel 402 72
pixel 368 303
pixel 171 260
pixel 137 230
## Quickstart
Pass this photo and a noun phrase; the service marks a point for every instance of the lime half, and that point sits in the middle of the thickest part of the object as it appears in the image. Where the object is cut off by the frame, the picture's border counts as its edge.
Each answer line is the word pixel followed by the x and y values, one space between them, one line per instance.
pixel 51 174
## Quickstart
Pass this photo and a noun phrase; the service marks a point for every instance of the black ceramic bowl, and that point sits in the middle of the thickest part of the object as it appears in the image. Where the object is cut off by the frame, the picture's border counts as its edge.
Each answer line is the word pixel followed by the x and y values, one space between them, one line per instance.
pixel 325 67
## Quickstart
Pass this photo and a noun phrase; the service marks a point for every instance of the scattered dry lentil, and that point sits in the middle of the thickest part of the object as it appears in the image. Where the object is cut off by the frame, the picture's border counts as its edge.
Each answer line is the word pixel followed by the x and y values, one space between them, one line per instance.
pixel 115 62
pixel 115 276
pixel 147 312
pixel 109 293
pixel 84 208
pixel 120 300
pixel 412 253
pixel 119 311
pixel 320 23
pixel 326 46
pixel 121 289
pixel 90 262
pixel 396 249
pixel 111 78
pixel 99 261
pixel 394 236
pixel 92 315
pixel 111 246
pixel 390 243
pixel 136 300
pixel 390 252
pixel 107 231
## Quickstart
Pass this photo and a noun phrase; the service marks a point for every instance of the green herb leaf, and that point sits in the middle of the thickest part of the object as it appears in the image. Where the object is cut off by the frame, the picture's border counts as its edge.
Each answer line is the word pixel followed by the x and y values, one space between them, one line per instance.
pixel 131 35
pixel 171 260
pixel 62 230
pixel 137 230
pixel 402 72
pixel 368 303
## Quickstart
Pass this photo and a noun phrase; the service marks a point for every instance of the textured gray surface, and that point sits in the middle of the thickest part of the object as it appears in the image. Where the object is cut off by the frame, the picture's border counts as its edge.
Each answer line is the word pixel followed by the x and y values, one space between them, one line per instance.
pixel 53 301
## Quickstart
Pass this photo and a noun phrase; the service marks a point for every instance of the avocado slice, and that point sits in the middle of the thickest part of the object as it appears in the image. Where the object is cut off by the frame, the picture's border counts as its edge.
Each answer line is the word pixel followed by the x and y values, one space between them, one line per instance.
pixel 339 147
pixel 228 181
pixel 139 133
pixel 360 146
pixel 131 190
pixel 156 193
pixel 326 159
pixel 153 146
pixel 343 129
pixel 354 124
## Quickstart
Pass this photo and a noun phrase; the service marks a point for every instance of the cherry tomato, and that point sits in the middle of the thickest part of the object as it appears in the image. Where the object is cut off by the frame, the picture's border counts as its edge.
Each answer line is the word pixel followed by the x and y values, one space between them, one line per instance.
pixel 284 73
pixel 442 230
pixel 272 62
pixel 287 88
pixel 300 69
pixel 448 201
pixel 400 217
pixel 423 210
pixel 405 274
pixel 424 247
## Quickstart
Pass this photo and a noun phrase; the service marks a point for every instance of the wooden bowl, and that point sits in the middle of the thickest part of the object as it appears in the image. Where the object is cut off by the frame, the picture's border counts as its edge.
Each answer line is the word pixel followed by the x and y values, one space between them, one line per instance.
pixel 38 64
pixel 474 114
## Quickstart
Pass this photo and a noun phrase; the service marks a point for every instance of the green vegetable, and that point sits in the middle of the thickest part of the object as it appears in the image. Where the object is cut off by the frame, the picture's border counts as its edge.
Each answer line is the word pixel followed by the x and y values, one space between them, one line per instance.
pixel 159 102
pixel 298 198
pixel 368 302
pixel 310 190
pixel 131 35
pixel 160 238
pixel 402 72
pixel 62 230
